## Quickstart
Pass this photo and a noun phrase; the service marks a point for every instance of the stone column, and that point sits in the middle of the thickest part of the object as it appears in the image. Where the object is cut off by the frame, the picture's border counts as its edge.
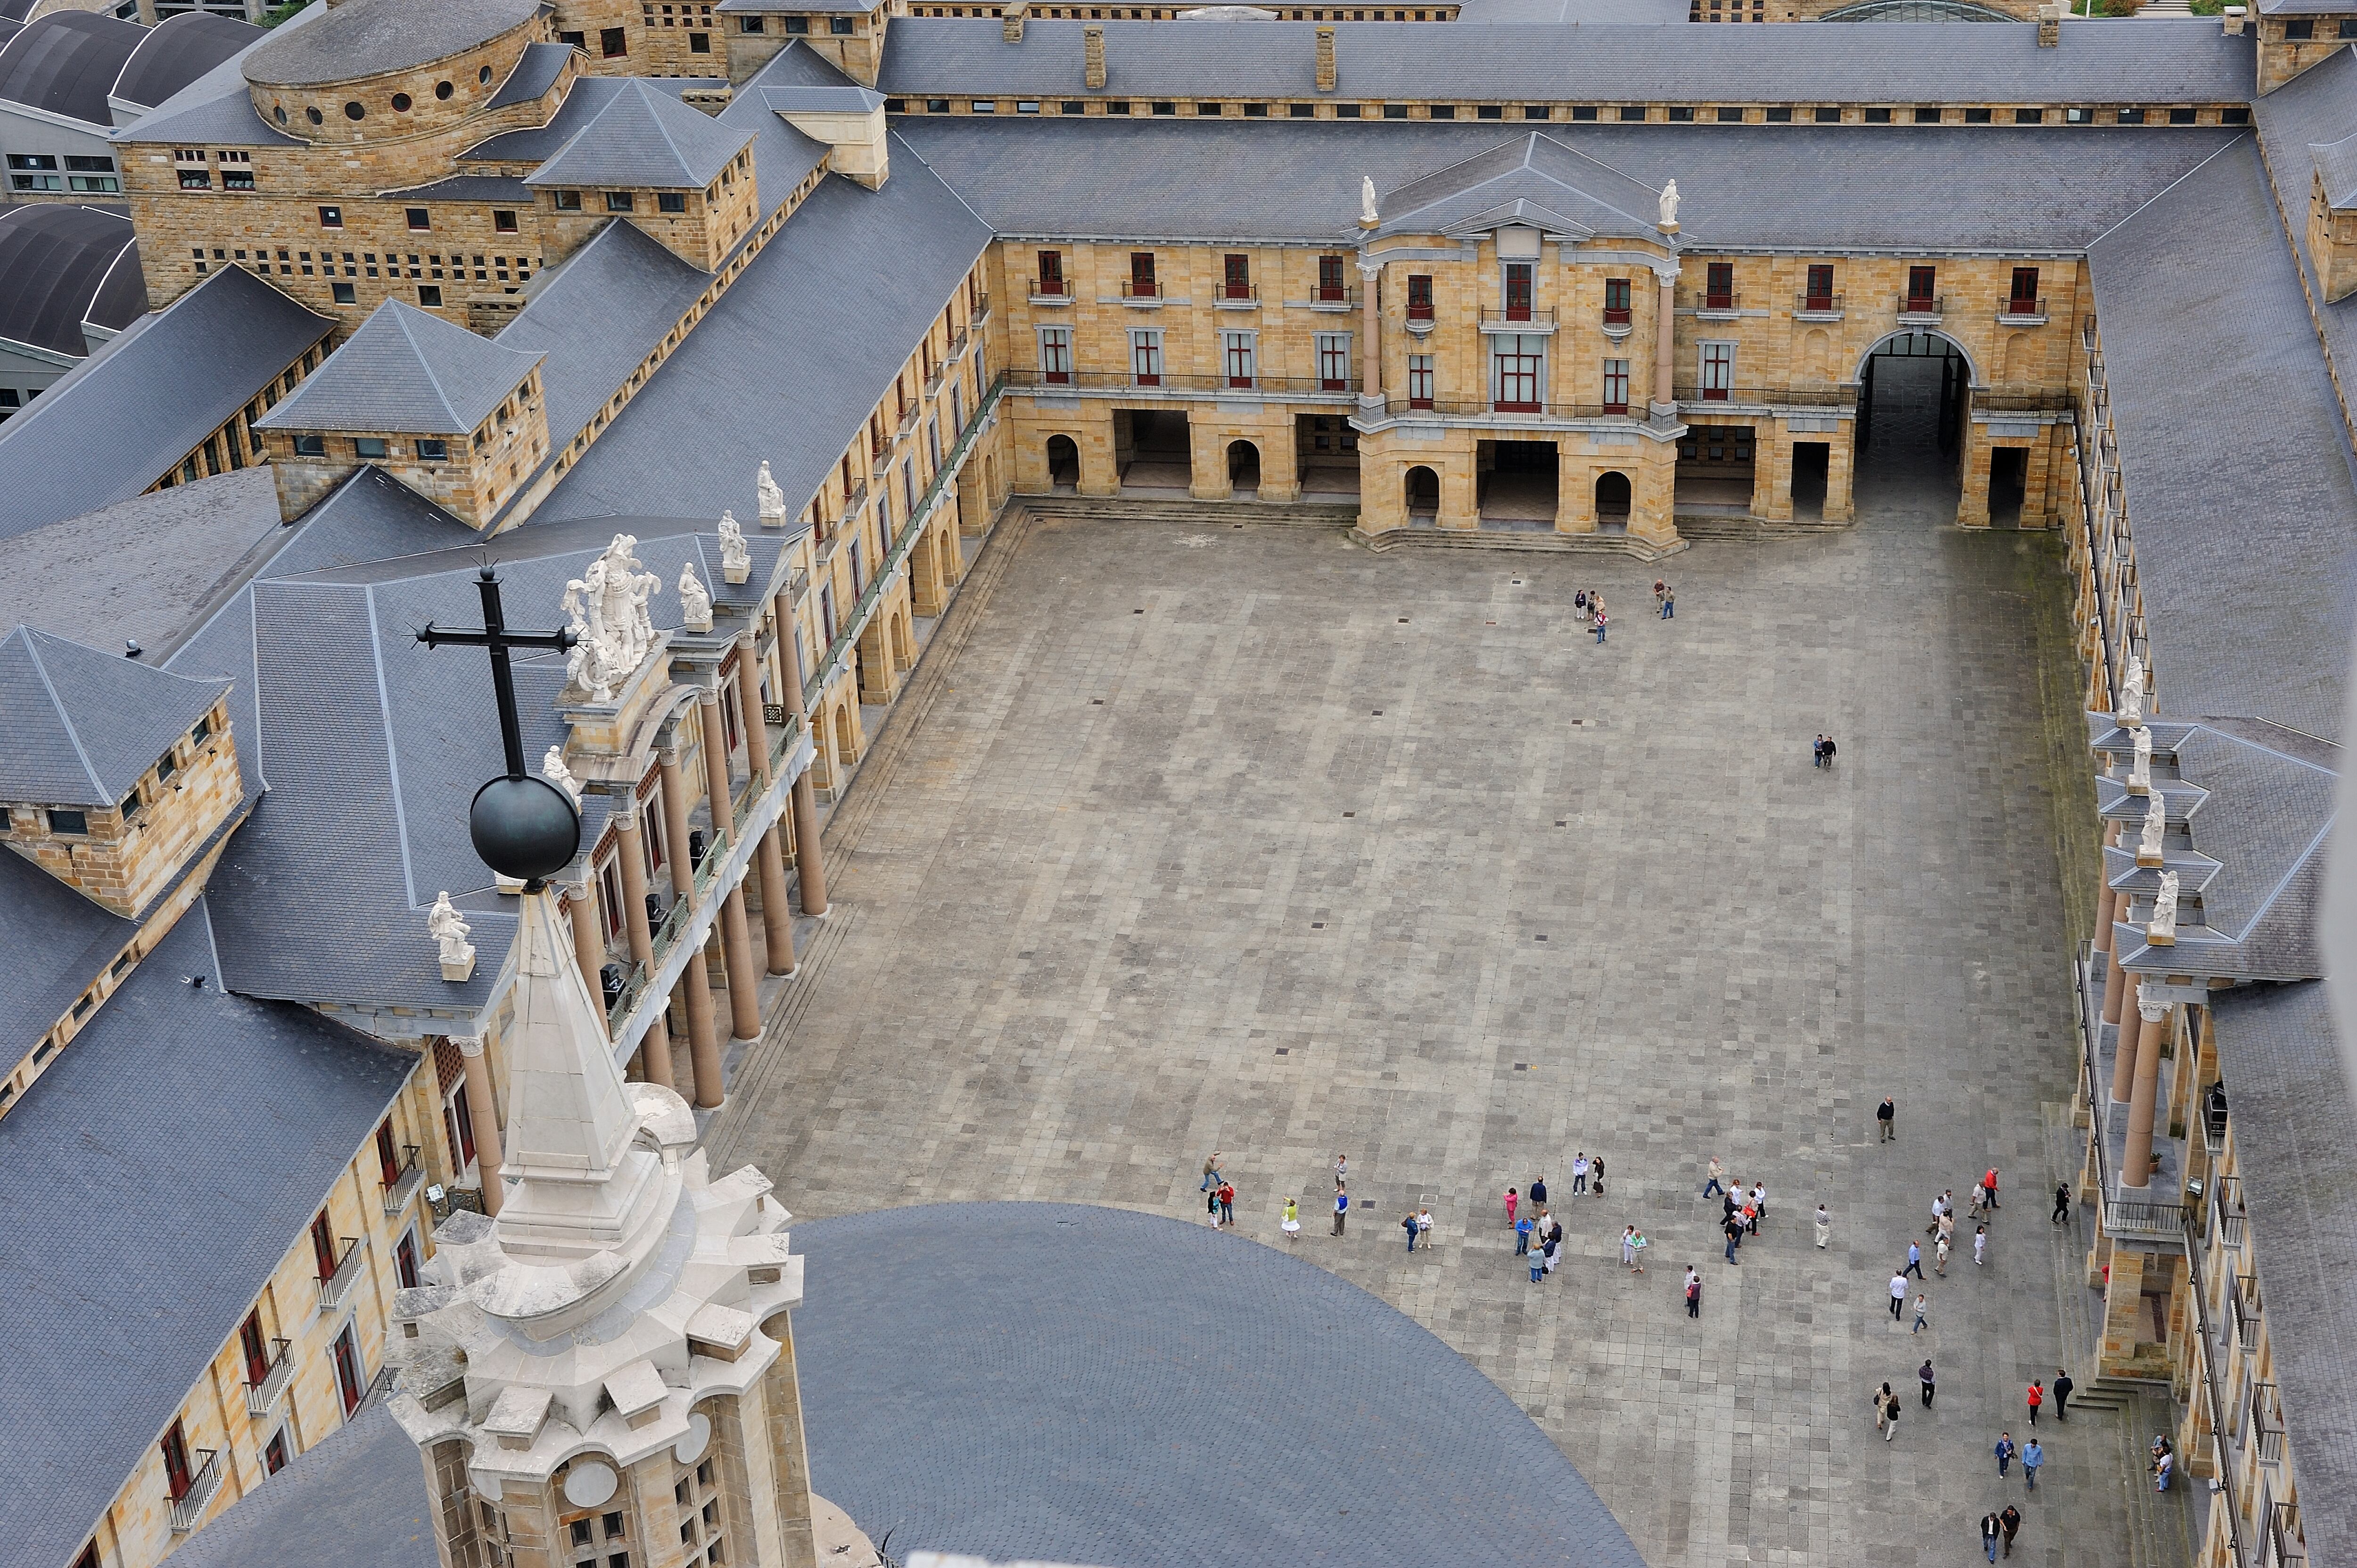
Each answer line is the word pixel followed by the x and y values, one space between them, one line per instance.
pixel 809 864
pixel 2114 988
pixel 777 916
pixel 1663 396
pixel 589 942
pixel 1771 471
pixel 2135 1162
pixel 1971 503
pixel 736 939
pixel 1370 329
pixel 2123 1045
pixel 483 1116
pixel 696 984
pixel 654 1049
pixel 2107 901
pixel 1840 448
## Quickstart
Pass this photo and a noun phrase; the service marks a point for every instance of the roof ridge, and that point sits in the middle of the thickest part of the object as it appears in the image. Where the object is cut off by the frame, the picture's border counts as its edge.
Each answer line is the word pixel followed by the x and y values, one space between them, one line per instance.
pixel 654 114
pixel 73 732
pixel 400 319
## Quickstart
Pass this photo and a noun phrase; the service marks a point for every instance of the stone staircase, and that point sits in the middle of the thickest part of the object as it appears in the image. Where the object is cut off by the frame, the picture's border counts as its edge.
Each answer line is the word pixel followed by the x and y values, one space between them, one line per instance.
pixel 1723 527
pixel 2109 1396
pixel 1535 541
pixel 1194 513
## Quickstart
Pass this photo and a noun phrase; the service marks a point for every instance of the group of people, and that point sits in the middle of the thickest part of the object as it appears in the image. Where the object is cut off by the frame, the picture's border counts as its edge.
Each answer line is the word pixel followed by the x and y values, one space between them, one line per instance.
pixel 1591 606
pixel 1822 754
pixel 1741 1211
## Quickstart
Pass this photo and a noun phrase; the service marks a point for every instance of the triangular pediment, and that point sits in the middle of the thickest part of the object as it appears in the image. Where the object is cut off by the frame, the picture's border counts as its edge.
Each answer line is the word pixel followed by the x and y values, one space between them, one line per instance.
pixel 1532 180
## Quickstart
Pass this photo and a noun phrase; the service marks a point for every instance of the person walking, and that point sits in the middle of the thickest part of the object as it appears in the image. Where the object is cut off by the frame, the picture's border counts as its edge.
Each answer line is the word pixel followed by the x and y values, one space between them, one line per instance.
pixel 2062 1203
pixel 1409 1225
pixel 1824 1226
pixel 1538 1192
pixel 1550 1250
pixel 1579 1172
pixel 1734 1228
pixel 1522 1236
pixel 1596 1176
pixel 1829 751
pixel 1751 1218
pixel 2061 1392
pixel 1716 1183
pixel 1637 1246
pixel 1291 1224
pixel 1659 587
pixel 1885 1117
pixel 1882 1410
pixel 1341 1210
pixel 1759 1203
pixel 1629 1248
pixel 1898 1295
pixel 1890 1409
pixel 1817 750
pixel 1940 1248
pixel 1980 1202
pixel 1939 1207
pixel 1990 1532
pixel 1914 1259
pixel 2010 1522
pixel 1227 1204
pixel 1538 1266
pixel 2032 1457
pixel 1511 1200
pixel 1694 1293
pixel 1342 1172
pixel 1988 1185
pixel 1924 1375
pixel 1211 1188
pixel 1980 1245
pixel 2004 1452
pixel 1923 1307
pixel 1669 603
pixel 2036 1397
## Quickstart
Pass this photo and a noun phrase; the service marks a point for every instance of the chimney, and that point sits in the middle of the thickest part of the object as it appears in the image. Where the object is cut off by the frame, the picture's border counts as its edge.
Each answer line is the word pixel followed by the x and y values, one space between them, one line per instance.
pixel 1010 26
pixel 1325 60
pixel 2049 26
pixel 2235 15
pixel 1092 50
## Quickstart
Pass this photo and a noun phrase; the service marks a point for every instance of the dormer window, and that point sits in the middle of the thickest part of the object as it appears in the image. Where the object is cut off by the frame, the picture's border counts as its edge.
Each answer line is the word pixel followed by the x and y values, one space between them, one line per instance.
pixel 432 451
pixel 618 201
pixel 753 25
pixel 568 201
pixel 310 446
pixel 64 821
pixel 671 202
pixel 166 768
pixel 368 447
pixel 202 732
pixel 839 25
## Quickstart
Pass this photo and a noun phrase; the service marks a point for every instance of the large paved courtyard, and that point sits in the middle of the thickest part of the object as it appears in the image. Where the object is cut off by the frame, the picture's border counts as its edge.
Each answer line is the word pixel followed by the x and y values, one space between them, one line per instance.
pixel 1246 838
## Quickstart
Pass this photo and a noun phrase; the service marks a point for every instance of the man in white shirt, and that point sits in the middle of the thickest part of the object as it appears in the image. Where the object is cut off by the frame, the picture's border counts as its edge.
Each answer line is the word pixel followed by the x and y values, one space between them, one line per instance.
pixel 1579 1172
pixel 1898 1295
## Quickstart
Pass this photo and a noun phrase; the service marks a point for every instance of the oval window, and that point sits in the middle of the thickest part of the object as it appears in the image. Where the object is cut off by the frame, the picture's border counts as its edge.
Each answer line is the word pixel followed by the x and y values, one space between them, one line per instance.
pixel 355 110
pixel 484 76
pixel 443 90
pixel 314 116
pixel 400 102
pixel 281 113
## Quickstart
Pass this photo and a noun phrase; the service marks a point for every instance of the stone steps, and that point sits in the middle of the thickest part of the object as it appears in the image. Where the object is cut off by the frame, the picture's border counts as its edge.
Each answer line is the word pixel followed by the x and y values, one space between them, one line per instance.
pixel 1693 527
pixel 2112 1395
pixel 1115 508
pixel 1537 542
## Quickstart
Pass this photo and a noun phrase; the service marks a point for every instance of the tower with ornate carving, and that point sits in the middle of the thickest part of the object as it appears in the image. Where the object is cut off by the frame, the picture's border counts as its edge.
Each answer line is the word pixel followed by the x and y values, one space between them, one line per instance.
pixel 603 1374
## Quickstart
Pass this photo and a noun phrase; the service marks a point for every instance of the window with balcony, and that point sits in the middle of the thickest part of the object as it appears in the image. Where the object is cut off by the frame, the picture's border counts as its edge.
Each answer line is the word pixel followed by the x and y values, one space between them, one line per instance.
pixel 1056 354
pixel 1419 296
pixel 1820 294
pixel 1145 357
pixel 388 1155
pixel 273 1453
pixel 350 1385
pixel 1333 361
pixel 1517 372
pixel 255 1348
pixel 1718 287
pixel 1717 372
pixel 1616 386
pixel 1141 275
pixel 1051 274
pixel 1331 286
pixel 1235 278
pixel 1521 290
pixel 2023 300
pixel 178 1476
pixel 1616 302
pixel 323 1242
pixel 405 1261
pixel 1419 380
pixel 1236 357
pixel 1922 285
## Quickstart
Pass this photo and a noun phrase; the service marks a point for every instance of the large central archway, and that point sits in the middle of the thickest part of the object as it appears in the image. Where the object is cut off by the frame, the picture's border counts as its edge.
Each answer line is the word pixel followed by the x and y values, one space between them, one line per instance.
pixel 1914 398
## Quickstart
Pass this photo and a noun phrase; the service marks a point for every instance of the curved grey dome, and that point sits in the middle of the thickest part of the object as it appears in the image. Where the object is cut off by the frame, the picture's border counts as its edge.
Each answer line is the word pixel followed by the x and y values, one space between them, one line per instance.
pixel 373 37
pixel 66 62
pixel 176 51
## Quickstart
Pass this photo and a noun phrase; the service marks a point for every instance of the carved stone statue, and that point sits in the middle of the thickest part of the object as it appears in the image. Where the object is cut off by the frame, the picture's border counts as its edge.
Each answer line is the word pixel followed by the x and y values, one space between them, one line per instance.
pixel 2161 930
pixel 2156 823
pixel 1669 199
pixel 2140 770
pixel 2128 714
pixel 552 768
pixel 1367 215
pixel 444 924
pixel 607 604
pixel 736 561
pixel 694 601
pixel 772 499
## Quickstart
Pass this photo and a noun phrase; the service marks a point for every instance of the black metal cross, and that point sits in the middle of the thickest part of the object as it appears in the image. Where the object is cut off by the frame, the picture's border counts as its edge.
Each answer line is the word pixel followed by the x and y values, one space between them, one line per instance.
pixel 496 636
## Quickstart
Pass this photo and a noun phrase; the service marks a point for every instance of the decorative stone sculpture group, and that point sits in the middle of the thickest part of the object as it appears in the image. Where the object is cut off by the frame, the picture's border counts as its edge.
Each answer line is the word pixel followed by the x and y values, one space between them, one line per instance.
pixel 694 600
pixel 607 604
pixel 552 768
pixel 772 499
pixel 2161 930
pixel 736 561
pixel 2140 770
pixel 445 925
pixel 2128 714
pixel 2156 822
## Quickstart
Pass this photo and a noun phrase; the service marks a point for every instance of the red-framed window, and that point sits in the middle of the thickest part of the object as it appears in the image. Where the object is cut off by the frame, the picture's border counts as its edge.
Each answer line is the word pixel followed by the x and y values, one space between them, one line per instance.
pixel 1237 357
pixel 388 1156
pixel 1921 285
pixel 2025 291
pixel 1145 357
pixel 1521 290
pixel 1718 287
pixel 323 1241
pixel 610 883
pixel 1616 302
pixel 1055 354
pixel 1820 294
pixel 461 1127
pixel 178 1476
pixel 1419 296
pixel 1717 372
pixel 1419 380
pixel 1333 361
pixel 1051 272
pixel 253 1347
pixel 1616 386
pixel 1235 278
pixel 273 1457
pixel 1331 286
pixel 404 1260
pixel 348 1384
pixel 1519 365
pixel 1141 275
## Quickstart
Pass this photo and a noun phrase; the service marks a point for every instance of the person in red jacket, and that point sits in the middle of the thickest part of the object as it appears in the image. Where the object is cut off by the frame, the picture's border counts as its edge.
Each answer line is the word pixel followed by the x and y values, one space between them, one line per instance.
pixel 1989 1182
pixel 2037 1397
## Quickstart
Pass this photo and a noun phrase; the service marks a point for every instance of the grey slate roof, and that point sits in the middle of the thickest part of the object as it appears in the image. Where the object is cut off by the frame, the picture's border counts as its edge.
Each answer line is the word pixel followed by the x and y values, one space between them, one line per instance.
pixel 217 108
pixel 799 65
pixel 1894 62
pixel 2272 453
pixel 782 156
pixel 848 98
pixel 83 725
pixel 369 37
pixel 1330 1427
pixel 1912 189
pixel 53 259
pixel 467 187
pixel 169 554
pixel 535 74
pixel 1533 179
pixel 2289 1097
pixel 647 138
pixel 116 422
pixel 153 1177
pixel 176 51
pixel 406 370
pixel 2320 105
pixel 597 316
pixel 65 61
pixel 584 100
pixel 358 1493
pixel 2337 162
pixel 1568 13
pixel 60 940
pixel 753 369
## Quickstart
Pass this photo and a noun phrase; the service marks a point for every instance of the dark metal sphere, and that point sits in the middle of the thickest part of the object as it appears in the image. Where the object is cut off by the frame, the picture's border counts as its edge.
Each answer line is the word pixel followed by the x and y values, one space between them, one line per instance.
pixel 524 828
